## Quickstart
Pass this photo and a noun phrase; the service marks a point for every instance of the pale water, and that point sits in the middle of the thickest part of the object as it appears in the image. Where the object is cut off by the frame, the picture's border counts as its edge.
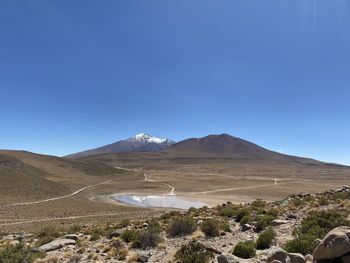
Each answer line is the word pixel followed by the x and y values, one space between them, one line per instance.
pixel 169 201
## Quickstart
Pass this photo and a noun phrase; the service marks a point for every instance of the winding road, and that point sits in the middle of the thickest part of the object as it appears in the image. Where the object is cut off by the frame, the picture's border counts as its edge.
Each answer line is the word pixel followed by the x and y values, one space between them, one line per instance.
pixel 144 214
pixel 148 179
pixel 56 198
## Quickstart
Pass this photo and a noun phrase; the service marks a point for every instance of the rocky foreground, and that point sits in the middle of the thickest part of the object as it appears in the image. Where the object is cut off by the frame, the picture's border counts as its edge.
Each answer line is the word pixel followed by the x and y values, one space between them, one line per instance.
pixel 302 228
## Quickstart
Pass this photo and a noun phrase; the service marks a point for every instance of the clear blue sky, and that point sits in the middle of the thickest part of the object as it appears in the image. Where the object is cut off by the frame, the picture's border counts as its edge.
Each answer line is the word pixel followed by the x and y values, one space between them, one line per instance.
pixel 80 74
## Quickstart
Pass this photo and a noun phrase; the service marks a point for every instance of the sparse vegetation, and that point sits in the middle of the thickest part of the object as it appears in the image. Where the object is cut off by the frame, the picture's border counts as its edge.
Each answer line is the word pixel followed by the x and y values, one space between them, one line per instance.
pixel 265 239
pixel 244 220
pixel 129 235
pixel 146 239
pixel 262 222
pixel 18 254
pixel 210 228
pixel 228 211
pixel 244 249
pixel 242 213
pixel 181 227
pixel 316 225
pixel 258 204
pixel 193 252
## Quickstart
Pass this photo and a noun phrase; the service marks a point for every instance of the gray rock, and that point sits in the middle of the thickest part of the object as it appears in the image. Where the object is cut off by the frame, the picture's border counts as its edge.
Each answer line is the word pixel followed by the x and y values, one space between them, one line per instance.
pixel 117 233
pixel 72 236
pixel 246 227
pixel 234 259
pixel 75 258
pixel 278 222
pixel 56 244
pixel 335 244
pixel 291 216
pixel 346 258
pixel 278 254
pixel 296 258
pixel 143 258
pixel 309 258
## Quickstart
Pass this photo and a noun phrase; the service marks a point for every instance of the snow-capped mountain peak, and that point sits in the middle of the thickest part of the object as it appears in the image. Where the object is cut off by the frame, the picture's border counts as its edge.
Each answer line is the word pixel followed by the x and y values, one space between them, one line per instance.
pixel 143 137
pixel 139 143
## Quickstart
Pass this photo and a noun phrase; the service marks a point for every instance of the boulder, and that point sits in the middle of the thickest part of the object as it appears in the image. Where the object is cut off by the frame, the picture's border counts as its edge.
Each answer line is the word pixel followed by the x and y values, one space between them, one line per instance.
pixel 335 244
pixel 284 257
pixel 295 258
pixel 56 244
pixel 246 227
pixel 278 222
pixel 234 259
pixel 346 258
pixel 278 254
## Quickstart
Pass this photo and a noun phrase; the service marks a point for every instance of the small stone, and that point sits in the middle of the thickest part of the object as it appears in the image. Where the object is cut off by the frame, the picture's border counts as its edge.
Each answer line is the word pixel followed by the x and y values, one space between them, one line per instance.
pixel 143 258
pixel 246 227
pixel 72 236
pixel 296 258
pixel 309 258
pixel 278 222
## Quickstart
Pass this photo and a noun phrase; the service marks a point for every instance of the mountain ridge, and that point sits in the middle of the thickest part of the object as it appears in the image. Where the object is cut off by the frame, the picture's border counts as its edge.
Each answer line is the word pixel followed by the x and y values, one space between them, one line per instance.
pixel 139 143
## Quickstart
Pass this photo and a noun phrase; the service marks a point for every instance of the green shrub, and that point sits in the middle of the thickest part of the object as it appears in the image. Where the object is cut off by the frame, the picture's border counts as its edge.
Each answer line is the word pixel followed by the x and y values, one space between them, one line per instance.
pixel 302 244
pixel 274 212
pixel 323 201
pixel 263 222
pixel 244 220
pixel 258 204
pixel 182 227
pixel 210 228
pixel 265 239
pixel 146 239
pixel 315 226
pixel 75 228
pixel 224 226
pixel 192 209
pixel 193 252
pixel 169 215
pixel 244 249
pixel 228 212
pixel 49 231
pixel 242 213
pixel 154 224
pixel 95 233
pixel 129 235
pixel 18 254
pixel 123 223
pixel 298 201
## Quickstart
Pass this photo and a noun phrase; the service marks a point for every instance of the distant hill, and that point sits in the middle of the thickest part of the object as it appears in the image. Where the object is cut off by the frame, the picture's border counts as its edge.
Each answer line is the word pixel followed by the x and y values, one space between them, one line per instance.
pixel 139 143
pixel 227 146
pixel 29 176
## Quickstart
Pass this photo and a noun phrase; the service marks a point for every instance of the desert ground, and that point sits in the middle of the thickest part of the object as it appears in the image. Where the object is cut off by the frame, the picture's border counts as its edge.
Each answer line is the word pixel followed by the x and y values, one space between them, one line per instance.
pixel 84 197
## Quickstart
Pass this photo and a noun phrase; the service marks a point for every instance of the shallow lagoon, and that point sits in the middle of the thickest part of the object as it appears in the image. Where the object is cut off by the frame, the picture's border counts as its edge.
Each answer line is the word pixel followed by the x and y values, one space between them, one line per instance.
pixel 169 201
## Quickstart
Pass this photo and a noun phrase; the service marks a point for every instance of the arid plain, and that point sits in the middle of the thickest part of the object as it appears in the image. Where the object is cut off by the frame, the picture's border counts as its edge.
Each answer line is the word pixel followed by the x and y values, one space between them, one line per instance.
pixel 37 190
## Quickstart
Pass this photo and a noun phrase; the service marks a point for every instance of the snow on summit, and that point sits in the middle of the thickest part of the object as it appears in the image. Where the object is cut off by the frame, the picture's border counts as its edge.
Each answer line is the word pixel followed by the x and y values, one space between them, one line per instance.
pixel 148 138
